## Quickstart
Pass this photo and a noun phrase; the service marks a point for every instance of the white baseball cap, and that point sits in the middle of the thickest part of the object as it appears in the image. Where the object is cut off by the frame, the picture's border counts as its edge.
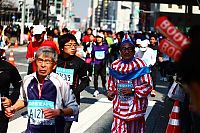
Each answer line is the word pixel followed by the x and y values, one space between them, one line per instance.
pixel 38 29
pixel 138 41
pixel 100 35
pixel 144 45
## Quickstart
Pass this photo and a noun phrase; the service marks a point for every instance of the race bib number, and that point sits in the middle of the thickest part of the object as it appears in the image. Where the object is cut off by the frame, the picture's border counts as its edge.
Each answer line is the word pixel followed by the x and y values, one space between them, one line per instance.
pixel 89 49
pixel 100 55
pixel 120 86
pixel 55 39
pixel 66 74
pixel 36 114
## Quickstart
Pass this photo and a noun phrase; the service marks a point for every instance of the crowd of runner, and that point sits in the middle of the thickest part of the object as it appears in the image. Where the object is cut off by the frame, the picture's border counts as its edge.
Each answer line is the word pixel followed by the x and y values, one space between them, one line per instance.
pixel 62 63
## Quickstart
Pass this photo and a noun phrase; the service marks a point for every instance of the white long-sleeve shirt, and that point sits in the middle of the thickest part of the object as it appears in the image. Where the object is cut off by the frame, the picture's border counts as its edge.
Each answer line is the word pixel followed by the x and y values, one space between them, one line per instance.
pixel 148 56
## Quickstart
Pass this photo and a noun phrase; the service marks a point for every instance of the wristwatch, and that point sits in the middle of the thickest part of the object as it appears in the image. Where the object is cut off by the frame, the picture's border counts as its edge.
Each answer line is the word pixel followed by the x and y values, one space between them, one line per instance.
pixel 62 113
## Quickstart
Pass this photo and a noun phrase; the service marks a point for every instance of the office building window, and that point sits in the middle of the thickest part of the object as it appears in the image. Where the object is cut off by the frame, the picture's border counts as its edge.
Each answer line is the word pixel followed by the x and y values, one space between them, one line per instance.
pixel 169 5
pixel 57 11
pixel 58 5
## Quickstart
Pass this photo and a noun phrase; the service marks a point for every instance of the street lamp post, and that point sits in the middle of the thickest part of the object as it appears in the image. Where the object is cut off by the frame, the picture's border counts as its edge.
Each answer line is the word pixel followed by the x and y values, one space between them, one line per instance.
pixel 28 18
pixel 47 22
pixel 22 21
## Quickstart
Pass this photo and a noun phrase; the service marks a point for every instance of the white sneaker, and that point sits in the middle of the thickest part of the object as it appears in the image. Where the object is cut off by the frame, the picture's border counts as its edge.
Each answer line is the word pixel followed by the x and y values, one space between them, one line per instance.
pixel 96 93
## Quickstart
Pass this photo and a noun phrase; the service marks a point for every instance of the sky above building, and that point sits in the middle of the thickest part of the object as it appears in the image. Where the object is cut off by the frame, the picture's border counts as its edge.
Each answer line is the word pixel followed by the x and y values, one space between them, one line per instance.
pixel 81 8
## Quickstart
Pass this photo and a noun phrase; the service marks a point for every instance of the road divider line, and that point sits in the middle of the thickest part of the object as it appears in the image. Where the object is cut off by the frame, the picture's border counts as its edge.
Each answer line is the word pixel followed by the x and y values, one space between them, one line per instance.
pixel 161 86
pixel 18 125
pixel 90 115
pixel 22 73
pixel 149 108
pixel 22 64
pixel 19 49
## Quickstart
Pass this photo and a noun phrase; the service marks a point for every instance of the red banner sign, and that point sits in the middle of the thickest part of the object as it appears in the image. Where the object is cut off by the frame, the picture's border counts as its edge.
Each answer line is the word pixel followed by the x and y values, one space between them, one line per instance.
pixel 170 49
pixel 165 27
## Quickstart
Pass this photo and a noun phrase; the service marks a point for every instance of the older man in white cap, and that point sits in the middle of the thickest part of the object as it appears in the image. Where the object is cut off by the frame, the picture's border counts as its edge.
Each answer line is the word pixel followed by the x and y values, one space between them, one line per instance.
pixel 148 55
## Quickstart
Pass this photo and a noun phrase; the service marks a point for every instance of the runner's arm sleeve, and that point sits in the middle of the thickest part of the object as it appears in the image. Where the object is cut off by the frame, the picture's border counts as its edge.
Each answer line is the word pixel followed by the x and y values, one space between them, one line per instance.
pixel 107 53
pixel 154 57
pixel 16 82
pixel 22 95
pixel 83 77
pixel 69 98
pixel 144 87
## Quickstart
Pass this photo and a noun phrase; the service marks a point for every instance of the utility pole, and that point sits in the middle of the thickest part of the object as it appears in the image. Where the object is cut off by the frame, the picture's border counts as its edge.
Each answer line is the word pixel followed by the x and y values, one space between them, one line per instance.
pixel 28 18
pixel 132 16
pixel 47 21
pixel 22 21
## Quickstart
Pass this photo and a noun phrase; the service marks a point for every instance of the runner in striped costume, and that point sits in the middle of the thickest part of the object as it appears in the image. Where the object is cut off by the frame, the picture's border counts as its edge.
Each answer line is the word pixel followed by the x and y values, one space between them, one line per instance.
pixel 129 85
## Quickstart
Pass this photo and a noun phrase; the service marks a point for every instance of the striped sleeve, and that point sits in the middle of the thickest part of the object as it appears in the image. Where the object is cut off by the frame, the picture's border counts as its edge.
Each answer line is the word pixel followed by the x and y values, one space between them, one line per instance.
pixel 144 87
pixel 111 83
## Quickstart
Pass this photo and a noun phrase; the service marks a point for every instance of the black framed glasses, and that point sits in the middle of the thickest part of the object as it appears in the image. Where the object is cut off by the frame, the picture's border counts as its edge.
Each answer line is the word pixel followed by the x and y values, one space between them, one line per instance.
pixel 129 49
pixel 71 44
pixel 46 61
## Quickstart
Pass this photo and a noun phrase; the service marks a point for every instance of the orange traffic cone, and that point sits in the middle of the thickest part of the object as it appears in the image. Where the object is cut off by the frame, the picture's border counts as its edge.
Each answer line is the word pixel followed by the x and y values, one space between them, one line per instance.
pixel 16 44
pixel 174 122
pixel 11 58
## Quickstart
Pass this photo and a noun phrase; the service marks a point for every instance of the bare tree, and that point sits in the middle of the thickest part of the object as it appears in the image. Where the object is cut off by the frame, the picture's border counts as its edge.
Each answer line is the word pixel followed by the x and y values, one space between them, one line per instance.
pixel 7 4
pixel 7 9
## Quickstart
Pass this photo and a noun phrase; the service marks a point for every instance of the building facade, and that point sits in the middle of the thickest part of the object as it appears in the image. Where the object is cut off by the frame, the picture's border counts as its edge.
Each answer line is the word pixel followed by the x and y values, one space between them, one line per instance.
pixel 182 16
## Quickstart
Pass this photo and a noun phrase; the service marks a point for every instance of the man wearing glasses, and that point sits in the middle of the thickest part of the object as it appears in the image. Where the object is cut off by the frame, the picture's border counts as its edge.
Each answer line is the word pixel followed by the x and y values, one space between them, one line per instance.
pixel 129 85
pixel 47 96
pixel 73 70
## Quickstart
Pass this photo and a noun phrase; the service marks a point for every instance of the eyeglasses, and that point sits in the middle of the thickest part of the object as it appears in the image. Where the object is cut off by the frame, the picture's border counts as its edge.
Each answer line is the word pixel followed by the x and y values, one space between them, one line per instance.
pixel 71 44
pixel 129 49
pixel 39 60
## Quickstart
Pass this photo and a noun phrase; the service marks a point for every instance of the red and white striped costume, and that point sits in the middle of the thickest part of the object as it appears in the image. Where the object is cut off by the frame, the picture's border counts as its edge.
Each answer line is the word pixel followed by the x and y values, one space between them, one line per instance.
pixel 129 111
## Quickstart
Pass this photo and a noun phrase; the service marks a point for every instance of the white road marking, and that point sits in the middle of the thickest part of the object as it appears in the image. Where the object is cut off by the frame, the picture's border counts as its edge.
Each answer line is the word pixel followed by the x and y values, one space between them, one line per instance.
pixel 19 49
pixel 21 64
pixel 149 108
pixel 90 115
pixel 18 125
pixel 22 73
pixel 161 86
